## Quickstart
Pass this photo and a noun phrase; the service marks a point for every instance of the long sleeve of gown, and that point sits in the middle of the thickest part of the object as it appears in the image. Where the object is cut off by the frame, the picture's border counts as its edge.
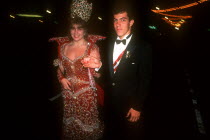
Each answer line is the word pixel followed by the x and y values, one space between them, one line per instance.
pixel 59 74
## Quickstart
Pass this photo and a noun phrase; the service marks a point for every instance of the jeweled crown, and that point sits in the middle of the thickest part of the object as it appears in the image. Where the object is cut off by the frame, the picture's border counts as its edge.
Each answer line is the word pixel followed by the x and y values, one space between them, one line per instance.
pixel 82 9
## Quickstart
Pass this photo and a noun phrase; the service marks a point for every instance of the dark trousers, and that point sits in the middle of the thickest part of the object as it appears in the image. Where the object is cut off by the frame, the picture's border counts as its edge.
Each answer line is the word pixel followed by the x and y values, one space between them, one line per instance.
pixel 117 127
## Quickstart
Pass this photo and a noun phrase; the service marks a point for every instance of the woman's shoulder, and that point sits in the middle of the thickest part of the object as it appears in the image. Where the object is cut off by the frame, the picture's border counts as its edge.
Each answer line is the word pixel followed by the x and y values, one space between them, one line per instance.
pixel 94 38
pixel 60 40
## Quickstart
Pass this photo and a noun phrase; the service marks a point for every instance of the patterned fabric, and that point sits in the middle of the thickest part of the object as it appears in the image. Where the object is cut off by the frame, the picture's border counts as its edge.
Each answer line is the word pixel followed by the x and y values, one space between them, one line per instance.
pixel 117 62
pixel 62 40
pixel 81 116
pixel 82 9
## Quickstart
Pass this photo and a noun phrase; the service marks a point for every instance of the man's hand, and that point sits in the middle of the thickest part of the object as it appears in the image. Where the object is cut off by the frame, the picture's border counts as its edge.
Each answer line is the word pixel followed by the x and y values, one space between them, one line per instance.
pixel 133 115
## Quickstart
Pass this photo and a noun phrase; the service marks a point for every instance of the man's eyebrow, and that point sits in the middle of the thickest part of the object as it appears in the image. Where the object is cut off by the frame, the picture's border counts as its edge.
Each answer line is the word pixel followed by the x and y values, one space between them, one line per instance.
pixel 121 18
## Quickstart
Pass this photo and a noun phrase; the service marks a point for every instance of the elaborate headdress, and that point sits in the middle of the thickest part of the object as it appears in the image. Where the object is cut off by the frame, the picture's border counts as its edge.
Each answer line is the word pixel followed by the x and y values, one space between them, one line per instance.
pixel 82 9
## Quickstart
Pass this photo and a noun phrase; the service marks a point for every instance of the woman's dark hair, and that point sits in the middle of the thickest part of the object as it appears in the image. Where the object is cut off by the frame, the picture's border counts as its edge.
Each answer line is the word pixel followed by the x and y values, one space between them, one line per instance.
pixel 82 23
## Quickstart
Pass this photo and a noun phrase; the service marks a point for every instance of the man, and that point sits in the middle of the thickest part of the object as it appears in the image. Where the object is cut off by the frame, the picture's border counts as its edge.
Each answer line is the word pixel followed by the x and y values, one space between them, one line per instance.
pixel 128 76
pixel 126 68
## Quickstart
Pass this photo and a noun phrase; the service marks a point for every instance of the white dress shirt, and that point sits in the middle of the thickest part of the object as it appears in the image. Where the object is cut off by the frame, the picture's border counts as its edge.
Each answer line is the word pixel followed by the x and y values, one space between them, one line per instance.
pixel 119 48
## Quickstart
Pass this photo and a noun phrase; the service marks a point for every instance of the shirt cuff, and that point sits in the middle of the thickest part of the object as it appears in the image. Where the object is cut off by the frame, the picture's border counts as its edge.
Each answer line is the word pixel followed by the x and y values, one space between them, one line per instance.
pixel 97 69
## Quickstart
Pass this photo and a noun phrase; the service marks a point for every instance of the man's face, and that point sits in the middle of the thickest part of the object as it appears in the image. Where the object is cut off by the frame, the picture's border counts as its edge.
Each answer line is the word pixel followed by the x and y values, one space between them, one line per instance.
pixel 122 24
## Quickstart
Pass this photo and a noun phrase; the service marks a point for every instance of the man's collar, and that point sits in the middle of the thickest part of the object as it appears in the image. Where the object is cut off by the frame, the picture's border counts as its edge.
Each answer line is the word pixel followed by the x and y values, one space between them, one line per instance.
pixel 125 37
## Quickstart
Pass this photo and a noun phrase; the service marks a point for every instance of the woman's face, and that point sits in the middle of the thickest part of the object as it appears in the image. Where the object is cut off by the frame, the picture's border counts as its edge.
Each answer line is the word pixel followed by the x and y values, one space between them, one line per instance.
pixel 77 32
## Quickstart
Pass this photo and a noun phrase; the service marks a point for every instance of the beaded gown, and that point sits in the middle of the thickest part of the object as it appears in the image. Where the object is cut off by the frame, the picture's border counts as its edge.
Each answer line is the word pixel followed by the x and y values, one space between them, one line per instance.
pixel 81 116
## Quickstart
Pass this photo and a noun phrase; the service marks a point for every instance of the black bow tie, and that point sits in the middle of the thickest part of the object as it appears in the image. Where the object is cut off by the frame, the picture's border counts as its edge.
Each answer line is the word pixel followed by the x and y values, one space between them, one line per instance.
pixel 123 41
pixel 119 41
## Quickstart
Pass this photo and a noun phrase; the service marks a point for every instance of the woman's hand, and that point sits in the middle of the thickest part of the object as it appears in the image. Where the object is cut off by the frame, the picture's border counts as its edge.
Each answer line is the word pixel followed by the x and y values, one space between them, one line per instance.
pixel 65 83
pixel 97 75
pixel 91 62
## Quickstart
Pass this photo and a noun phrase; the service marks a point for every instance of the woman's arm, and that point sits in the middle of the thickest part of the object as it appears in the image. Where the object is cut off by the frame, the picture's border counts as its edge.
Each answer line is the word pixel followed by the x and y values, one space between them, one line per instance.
pixel 93 60
pixel 64 82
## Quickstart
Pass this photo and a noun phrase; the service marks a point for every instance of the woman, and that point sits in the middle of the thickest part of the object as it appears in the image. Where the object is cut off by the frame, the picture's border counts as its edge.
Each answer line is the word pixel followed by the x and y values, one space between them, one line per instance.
pixel 81 115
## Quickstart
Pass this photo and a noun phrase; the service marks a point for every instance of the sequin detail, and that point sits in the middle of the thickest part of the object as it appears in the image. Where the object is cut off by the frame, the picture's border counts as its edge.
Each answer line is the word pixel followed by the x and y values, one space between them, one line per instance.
pixel 81 116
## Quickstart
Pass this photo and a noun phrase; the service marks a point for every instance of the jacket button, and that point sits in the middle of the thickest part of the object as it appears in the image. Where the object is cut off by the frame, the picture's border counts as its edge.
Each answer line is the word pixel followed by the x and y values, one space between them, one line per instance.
pixel 113 84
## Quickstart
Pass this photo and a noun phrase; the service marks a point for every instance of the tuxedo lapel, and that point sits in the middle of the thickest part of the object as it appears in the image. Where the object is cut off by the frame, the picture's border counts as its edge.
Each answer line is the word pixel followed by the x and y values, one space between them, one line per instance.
pixel 129 50
pixel 111 49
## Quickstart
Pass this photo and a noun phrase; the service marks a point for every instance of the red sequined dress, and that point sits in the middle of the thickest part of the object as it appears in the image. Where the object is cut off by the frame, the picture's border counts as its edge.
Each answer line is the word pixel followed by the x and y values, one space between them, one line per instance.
pixel 81 115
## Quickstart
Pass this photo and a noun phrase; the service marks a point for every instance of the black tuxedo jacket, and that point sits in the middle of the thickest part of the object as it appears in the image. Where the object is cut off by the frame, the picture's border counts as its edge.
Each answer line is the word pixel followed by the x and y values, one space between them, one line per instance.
pixel 130 85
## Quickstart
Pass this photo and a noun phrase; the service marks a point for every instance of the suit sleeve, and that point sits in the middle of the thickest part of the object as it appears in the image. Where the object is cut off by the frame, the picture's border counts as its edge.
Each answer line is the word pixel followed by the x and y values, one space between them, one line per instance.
pixel 144 76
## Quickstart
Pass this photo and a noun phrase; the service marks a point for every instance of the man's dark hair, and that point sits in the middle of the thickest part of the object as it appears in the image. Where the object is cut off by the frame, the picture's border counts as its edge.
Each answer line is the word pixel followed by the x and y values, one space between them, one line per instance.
pixel 123 7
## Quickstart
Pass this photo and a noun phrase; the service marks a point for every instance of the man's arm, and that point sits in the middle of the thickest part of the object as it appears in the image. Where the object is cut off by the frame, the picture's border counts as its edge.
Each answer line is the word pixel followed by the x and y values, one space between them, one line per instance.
pixel 143 85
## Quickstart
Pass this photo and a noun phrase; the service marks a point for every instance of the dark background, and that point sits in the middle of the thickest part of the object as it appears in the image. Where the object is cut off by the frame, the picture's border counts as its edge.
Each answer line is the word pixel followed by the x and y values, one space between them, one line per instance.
pixel 28 78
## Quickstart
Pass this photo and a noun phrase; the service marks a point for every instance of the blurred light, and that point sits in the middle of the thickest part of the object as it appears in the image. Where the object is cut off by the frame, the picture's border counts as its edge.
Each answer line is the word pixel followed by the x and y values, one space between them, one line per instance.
pixel 48 11
pixel 178 16
pixel 99 18
pixel 173 19
pixel 180 7
pixel 208 30
pixel 157 8
pixel 28 15
pixel 152 27
pixel 177 25
pixel 182 21
pixel 55 22
pixel 12 16
pixel 41 21
pixel 177 28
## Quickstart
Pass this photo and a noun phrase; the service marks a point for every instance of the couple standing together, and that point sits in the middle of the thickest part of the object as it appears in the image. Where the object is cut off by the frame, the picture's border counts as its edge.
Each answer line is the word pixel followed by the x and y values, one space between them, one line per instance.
pixel 126 73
